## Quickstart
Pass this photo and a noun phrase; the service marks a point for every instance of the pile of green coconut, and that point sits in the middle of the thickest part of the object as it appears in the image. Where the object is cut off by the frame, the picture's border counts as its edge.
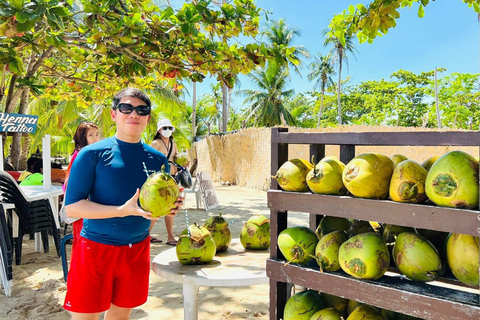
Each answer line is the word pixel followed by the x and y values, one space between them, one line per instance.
pixel 365 249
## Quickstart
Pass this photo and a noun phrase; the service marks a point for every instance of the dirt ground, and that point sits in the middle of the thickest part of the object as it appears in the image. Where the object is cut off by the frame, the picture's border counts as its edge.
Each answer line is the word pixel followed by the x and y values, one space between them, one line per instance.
pixel 39 290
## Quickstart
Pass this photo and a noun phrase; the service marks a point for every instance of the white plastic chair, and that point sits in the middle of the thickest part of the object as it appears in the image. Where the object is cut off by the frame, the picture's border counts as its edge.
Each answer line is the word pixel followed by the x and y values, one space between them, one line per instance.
pixel 195 189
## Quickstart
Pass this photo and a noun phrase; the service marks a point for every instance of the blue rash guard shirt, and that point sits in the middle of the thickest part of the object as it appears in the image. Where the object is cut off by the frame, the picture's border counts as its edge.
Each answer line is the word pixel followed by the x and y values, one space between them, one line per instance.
pixel 109 172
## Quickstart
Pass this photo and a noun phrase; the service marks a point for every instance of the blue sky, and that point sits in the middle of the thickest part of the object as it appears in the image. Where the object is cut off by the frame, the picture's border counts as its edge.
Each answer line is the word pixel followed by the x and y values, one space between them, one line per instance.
pixel 447 36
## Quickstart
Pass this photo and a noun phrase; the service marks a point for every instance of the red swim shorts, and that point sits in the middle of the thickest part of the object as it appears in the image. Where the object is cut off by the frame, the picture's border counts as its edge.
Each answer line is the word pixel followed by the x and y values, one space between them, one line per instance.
pixel 101 274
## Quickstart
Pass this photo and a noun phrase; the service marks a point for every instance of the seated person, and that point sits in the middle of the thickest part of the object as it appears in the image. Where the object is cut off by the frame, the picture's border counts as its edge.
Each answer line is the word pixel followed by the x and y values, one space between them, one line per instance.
pixel 29 169
pixel 36 178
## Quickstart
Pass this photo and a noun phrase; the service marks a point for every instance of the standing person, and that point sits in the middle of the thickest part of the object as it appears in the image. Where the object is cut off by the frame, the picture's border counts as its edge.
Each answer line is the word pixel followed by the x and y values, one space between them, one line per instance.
pixel 110 264
pixel 86 133
pixel 163 142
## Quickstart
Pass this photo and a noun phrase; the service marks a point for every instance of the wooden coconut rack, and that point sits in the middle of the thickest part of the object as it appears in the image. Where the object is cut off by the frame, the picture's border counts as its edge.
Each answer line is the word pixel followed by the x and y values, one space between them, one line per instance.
pixel 444 299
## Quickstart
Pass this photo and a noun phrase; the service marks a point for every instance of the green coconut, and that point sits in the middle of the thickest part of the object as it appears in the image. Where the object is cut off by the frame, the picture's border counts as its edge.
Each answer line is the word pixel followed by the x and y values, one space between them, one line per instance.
pixel 390 231
pixel 364 256
pixel 218 227
pixel 353 304
pixel 408 183
pixel 453 181
pixel 427 164
pixel 255 233
pixel 368 176
pixel 463 258
pixel 438 239
pixel 159 194
pixel 292 175
pixel 302 305
pixel 397 158
pixel 339 303
pixel 181 159
pixel 359 227
pixel 297 244
pixel 326 250
pixel 329 224
pixel 195 246
pixel 416 258
pixel 326 177
pixel 327 314
pixel 365 313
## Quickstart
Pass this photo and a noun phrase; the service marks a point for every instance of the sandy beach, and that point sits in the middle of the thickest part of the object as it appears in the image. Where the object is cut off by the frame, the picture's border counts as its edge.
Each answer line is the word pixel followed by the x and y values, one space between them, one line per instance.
pixel 39 290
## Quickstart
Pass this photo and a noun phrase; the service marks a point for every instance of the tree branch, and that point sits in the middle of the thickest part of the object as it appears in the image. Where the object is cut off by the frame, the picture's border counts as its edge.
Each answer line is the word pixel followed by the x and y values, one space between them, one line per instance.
pixel 39 62
pixel 13 94
pixel 87 48
pixel 55 73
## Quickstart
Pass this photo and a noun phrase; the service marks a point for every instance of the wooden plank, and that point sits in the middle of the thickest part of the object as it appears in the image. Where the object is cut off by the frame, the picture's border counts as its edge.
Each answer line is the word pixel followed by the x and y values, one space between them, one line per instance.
pixel 314 221
pixel 279 294
pixel 412 298
pixel 278 223
pixel 279 155
pixel 413 215
pixel 347 153
pixel 317 151
pixel 414 138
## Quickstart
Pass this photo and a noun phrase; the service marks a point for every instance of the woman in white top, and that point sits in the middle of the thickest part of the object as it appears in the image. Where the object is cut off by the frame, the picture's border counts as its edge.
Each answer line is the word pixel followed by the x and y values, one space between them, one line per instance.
pixel 163 142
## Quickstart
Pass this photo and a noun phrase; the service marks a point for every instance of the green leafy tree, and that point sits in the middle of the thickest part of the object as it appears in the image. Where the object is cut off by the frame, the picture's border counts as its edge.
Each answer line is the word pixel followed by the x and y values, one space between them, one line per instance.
pixel 377 17
pixel 266 105
pixel 459 98
pixel 301 108
pixel 86 51
pixel 321 71
pixel 210 108
pixel 411 105
pixel 371 102
pixel 339 50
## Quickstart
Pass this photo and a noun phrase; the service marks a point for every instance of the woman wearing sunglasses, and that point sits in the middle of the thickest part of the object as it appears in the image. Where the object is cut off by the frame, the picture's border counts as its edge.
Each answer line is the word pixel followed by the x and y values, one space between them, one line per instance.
pixel 110 265
pixel 163 142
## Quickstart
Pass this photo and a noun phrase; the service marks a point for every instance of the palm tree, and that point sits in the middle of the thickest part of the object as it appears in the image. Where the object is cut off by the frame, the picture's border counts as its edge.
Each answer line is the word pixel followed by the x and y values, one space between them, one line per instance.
pixel 280 37
pixel 321 70
pixel 212 103
pixel 339 53
pixel 267 104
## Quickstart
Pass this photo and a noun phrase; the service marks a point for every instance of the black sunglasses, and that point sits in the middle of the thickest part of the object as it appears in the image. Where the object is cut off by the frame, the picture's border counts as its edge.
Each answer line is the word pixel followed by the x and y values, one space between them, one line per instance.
pixel 127 108
pixel 167 128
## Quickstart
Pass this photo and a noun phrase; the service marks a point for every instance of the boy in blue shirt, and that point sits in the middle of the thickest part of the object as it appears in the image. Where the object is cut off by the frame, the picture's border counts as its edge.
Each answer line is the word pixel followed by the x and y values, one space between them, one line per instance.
pixel 110 265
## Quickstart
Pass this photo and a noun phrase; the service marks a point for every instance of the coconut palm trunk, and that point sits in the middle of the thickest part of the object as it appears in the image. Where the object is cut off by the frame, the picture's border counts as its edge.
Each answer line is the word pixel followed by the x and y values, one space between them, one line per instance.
pixel 194 112
pixel 224 107
pixel 439 121
pixel 321 105
pixel 338 88
pixel 15 149
pixel 22 165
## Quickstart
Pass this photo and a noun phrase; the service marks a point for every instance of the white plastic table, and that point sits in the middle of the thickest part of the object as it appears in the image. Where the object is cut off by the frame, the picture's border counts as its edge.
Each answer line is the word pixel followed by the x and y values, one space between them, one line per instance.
pixel 235 267
pixel 37 193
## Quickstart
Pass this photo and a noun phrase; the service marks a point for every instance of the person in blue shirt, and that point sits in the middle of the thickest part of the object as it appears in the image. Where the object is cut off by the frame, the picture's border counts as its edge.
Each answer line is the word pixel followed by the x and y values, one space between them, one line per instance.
pixel 110 264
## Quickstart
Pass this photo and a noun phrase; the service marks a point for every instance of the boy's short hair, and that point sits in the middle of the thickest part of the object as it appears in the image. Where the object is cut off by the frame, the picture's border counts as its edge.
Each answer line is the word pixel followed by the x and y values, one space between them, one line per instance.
pixel 30 162
pixel 130 92
pixel 37 166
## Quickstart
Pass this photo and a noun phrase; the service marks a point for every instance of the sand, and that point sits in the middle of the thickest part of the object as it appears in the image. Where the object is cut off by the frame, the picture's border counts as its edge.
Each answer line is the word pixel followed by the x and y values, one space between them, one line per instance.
pixel 39 290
